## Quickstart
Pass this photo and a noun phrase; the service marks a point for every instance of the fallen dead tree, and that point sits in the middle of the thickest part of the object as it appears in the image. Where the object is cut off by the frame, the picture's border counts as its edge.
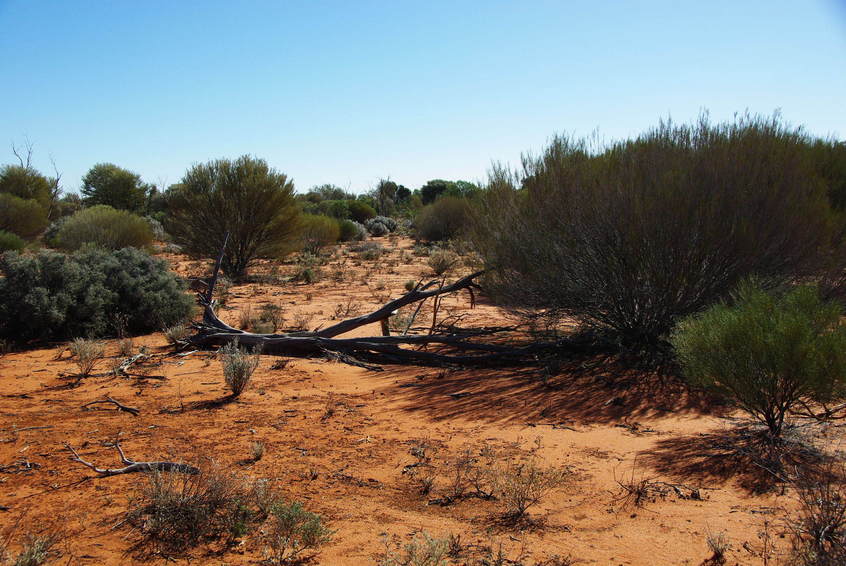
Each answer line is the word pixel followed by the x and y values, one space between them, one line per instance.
pixel 131 466
pixel 445 349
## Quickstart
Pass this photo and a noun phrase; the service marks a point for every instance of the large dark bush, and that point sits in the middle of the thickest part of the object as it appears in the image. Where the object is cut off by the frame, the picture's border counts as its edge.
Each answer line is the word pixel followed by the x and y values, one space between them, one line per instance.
pixel 27 183
pixel 767 352
pixel 447 218
pixel 246 198
pixel 102 226
pixel 637 234
pixel 361 211
pixel 52 295
pixel 318 231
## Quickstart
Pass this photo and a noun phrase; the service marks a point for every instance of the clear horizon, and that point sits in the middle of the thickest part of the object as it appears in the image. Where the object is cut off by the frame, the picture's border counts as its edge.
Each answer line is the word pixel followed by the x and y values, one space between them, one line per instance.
pixel 347 93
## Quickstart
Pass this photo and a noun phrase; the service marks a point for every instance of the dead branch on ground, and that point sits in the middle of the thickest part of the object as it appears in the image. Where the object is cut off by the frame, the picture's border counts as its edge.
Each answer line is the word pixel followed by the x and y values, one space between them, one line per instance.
pixel 132 466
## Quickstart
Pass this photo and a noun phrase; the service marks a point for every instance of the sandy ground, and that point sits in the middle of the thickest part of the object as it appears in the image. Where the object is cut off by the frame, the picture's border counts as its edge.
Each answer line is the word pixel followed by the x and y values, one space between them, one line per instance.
pixel 339 437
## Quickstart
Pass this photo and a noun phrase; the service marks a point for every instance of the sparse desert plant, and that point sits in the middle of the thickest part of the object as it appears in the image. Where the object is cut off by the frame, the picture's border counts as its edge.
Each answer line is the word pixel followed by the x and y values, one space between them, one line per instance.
pixel 177 333
pixel 410 285
pixel 125 346
pixel 256 450
pixel 175 511
pixel 51 295
pixel 423 550
pixel 521 485
pixel 368 250
pixel 376 227
pixel 105 227
pixel 86 353
pixel 308 275
pixel 818 528
pixel 238 367
pixel 245 198
pixel 35 551
pixel 272 314
pixel 718 545
pixel 767 351
pixel 441 261
pixel 10 242
pixel 292 531
pixel 246 319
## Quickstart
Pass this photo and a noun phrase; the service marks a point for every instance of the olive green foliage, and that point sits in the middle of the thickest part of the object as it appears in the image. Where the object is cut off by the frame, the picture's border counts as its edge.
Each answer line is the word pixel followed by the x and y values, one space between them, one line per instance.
pixel 829 159
pixel 635 235
pixel 447 218
pixel 767 352
pixel 244 197
pixel 26 218
pixel 437 188
pixel 105 227
pixel 352 231
pixel 51 295
pixel 318 231
pixel 28 184
pixel 361 211
pixel 292 531
pixel 10 242
pixel 108 184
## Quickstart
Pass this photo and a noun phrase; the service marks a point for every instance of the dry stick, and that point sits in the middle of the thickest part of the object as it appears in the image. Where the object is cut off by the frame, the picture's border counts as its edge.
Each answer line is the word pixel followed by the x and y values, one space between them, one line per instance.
pixel 133 466
pixel 120 406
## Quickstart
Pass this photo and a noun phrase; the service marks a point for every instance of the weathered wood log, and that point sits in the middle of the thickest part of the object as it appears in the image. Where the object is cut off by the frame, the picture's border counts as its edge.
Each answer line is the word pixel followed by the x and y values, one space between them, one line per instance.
pixel 133 466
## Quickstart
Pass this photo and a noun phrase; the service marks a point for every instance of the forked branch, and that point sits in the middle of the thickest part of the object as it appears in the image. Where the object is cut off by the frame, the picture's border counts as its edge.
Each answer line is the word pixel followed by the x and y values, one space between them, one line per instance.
pixel 131 466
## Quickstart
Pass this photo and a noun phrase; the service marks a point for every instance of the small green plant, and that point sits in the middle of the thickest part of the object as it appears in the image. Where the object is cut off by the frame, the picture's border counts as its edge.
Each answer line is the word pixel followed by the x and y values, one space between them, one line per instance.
pixel 35 551
pixel 768 352
pixel 246 319
pixel 86 354
pixel 718 545
pixel 238 367
pixel 441 261
pixel 410 285
pixel 125 347
pixel 10 242
pixel 272 314
pixel 423 550
pixel 293 531
pixel 177 333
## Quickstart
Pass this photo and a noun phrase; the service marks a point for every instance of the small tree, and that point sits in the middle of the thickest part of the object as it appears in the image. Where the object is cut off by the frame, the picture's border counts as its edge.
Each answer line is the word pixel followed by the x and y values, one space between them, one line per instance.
pixel 246 198
pixel 767 352
pixel 108 184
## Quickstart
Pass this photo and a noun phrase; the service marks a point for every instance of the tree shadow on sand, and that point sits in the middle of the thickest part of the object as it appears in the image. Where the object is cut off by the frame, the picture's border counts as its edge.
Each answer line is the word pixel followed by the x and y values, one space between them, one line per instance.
pixel 583 391
pixel 743 453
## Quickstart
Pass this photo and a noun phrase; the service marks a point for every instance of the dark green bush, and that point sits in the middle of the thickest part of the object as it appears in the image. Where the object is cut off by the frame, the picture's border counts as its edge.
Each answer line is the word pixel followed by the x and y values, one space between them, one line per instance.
pixel 10 242
pixel 52 295
pixel 633 236
pixel 114 186
pixel 360 211
pixel 246 198
pixel 24 217
pixel 105 227
pixel 352 231
pixel 767 352
pixel 447 218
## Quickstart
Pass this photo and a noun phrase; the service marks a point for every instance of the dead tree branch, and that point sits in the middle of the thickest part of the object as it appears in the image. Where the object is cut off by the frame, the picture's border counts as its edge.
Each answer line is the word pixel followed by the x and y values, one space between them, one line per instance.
pixel 133 466
pixel 120 406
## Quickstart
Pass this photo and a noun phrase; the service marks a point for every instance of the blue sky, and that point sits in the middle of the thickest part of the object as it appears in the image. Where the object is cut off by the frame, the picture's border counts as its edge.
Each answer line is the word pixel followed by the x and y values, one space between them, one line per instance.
pixel 347 92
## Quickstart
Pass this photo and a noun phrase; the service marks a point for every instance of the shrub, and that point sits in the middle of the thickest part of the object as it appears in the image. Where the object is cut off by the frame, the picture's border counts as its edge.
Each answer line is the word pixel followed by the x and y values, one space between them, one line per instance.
pixel 521 485
pixel 442 261
pixel 635 235
pixel 352 231
pixel 35 551
pixel 423 550
pixel 318 231
pixel 10 242
pixel 175 511
pixel 369 250
pixel 767 352
pixel 238 367
pixel 105 227
pixel 110 185
pixel 360 211
pixel 293 531
pixel 51 295
pixel 28 184
pixel 376 228
pixel 245 198
pixel 177 333
pixel 447 218
pixel 86 353
pixel 26 218
pixel 818 528
pixel 273 315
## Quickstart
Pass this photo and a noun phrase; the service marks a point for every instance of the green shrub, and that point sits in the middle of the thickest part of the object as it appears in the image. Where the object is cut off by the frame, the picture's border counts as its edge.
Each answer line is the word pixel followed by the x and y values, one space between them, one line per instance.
pixel 10 242
pixel 238 367
pixel 447 218
pixel 292 531
pixel 105 227
pixel 318 231
pixel 24 217
pixel 767 352
pixel 360 211
pixel 635 235
pixel 442 261
pixel 110 185
pixel 246 198
pixel 352 231
pixel 51 295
